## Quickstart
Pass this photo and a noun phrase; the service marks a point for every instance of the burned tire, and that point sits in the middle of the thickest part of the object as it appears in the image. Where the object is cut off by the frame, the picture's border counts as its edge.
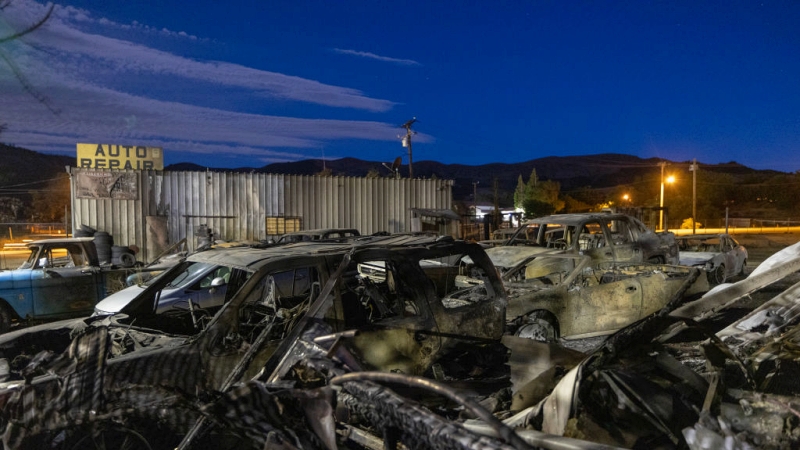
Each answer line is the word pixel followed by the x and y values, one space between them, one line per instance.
pixel 717 276
pixel 5 318
pixel 127 260
pixel 108 437
pixel 539 327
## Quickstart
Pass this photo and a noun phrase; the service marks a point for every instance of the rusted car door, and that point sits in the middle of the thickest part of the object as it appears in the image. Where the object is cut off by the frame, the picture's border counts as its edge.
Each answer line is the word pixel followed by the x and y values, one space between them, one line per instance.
pixel 623 240
pixel 603 307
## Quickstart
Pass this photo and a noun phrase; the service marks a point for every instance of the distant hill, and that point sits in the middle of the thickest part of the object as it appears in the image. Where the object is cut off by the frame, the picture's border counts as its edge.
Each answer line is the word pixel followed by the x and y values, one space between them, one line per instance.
pixel 21 166
pixel 573 172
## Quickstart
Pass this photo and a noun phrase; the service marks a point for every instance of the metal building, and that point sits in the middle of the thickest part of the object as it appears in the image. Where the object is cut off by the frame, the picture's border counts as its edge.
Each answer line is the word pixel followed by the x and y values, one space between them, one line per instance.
pixel 154 209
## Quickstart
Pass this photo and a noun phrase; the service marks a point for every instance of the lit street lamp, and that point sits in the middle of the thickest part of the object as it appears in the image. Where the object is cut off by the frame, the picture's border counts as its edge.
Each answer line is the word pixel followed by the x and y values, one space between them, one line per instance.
pixel 475 197
pixel 670 179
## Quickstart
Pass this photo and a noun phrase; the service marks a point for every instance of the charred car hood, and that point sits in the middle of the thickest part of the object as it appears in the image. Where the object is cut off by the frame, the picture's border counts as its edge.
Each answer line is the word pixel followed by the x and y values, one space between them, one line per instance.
pixel 511 256
pixel 696 258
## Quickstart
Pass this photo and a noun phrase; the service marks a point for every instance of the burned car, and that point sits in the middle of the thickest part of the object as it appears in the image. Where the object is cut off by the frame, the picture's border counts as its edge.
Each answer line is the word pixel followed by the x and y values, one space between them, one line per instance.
pixel 601 236
pixel 143 375
pixel 201 283
pixel 667 381
pixel 573 297
pixel 720 255
pixel 671 381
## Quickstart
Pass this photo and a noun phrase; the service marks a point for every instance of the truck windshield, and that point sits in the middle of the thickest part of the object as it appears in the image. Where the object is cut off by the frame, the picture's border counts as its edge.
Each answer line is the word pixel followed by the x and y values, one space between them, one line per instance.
pixel 31 261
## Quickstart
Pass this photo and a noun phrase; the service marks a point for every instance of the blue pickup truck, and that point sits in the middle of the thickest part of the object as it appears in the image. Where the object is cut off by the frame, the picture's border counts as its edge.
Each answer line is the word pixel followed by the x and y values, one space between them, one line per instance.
pixel 61 278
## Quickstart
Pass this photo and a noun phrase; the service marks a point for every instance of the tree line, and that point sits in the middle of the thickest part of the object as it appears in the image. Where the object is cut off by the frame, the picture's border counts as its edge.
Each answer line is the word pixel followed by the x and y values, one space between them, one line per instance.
pixel 759 195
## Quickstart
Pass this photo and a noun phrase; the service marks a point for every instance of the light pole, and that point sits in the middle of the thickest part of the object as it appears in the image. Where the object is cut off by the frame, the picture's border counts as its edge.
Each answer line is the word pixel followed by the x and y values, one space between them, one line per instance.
pixel 407 143
pixel 669 179
pixel 475 197
pixel 693 169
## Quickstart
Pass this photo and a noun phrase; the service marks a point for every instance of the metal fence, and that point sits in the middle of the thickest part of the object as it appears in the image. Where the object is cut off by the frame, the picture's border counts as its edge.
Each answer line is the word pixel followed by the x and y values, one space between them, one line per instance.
pixel 736 223
pixel 161 208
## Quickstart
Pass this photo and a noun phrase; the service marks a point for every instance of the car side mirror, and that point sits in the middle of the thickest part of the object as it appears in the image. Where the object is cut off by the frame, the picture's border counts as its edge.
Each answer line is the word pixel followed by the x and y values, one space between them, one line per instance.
pixel 217 282
pixel 43 262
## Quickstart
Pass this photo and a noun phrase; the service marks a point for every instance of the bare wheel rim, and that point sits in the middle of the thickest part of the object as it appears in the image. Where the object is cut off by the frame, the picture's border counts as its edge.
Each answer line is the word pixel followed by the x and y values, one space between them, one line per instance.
pixel 538 329
pixel 717 276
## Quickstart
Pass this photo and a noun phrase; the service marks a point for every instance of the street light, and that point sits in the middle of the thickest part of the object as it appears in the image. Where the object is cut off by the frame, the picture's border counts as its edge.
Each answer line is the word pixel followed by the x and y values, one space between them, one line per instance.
pixel 475 197
pixel 670 179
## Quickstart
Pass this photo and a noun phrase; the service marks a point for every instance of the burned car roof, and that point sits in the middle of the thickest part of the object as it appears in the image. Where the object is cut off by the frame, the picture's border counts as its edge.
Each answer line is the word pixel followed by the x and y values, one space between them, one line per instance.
pixel 252 258
pixel 575 218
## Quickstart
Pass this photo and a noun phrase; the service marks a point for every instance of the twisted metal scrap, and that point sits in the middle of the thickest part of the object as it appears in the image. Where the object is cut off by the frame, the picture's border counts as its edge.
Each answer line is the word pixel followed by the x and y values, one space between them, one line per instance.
pixel 37 408
pixel 83 390
pixel 408 422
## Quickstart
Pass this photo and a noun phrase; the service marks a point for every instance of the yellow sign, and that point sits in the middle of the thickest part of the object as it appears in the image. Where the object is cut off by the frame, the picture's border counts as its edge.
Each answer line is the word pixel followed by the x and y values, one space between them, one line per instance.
pixel 113 156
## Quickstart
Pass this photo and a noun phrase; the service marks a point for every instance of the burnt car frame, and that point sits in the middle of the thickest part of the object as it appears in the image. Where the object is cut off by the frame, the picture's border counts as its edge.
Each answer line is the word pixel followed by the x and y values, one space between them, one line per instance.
pixel 671 381
pixel 601 236
pixel 119 364
pixel 720 255
pixel 574 297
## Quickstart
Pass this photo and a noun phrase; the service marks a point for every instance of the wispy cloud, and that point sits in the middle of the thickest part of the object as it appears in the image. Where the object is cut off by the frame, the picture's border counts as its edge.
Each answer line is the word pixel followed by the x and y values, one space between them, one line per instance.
pixel 85 74
pixel 78 15
pixel 404 62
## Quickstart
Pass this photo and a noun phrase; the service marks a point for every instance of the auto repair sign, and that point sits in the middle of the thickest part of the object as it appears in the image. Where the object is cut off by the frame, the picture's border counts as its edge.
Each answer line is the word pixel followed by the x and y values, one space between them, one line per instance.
pixel 123 157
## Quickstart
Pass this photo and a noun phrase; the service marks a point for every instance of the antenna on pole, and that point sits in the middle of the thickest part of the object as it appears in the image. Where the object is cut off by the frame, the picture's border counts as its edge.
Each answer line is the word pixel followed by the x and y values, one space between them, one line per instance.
pixel 395 167
pixel 407 143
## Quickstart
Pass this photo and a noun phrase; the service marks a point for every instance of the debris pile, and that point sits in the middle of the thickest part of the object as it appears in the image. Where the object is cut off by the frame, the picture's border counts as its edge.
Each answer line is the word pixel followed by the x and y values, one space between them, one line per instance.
pixel 374 346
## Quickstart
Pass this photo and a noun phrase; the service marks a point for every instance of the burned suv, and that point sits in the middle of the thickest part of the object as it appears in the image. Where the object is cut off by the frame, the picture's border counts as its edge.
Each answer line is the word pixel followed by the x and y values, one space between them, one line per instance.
pixel 603 237
pixel 143 376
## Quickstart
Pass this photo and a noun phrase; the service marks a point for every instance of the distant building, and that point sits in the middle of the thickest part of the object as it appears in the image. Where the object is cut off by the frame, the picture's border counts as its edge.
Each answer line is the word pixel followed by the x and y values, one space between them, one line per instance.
pixel 155 209
pixel 511 216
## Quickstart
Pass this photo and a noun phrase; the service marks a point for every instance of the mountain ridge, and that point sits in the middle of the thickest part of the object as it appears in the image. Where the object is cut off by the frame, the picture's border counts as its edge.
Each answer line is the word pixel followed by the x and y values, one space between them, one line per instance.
pixel 606 170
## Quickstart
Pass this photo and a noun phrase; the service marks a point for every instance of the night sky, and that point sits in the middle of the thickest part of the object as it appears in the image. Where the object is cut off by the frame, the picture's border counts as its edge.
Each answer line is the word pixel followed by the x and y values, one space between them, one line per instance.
pixel 244 84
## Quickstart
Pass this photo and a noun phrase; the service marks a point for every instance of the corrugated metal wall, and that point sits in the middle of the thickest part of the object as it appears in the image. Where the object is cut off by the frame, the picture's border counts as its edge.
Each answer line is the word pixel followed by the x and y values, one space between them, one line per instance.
pixel 235 205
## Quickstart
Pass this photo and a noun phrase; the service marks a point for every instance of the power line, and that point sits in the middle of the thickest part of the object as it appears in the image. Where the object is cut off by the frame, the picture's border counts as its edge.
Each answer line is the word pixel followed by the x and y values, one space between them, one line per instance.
pixel 32 182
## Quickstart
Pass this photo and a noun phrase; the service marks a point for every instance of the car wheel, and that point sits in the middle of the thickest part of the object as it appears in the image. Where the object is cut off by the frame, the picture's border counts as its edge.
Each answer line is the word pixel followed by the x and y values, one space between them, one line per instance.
pixel 538 328
pixel 744 269
pixel 107 437
pixel 655 260
pixel 717 276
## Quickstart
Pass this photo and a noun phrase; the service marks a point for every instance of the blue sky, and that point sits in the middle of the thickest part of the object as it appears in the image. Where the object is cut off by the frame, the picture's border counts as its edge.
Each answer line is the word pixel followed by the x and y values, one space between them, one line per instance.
pixel 247 83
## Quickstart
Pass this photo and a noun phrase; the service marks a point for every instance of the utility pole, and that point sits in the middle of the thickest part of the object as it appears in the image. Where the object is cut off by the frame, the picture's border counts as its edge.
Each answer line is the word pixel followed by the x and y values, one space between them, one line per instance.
pixel 407 143
pixel 693 169
pixel 475 197
pixel 661 198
